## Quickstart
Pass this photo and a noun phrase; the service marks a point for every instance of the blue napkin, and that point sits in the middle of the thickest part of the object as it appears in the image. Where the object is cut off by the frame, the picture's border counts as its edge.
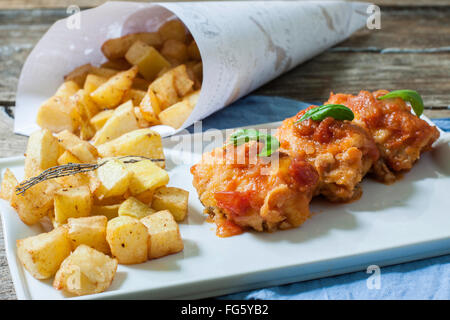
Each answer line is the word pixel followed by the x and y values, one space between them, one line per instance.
pixel 424 279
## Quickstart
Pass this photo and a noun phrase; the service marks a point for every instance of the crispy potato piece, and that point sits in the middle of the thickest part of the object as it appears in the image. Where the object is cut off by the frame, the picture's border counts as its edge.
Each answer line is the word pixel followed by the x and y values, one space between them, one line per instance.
pixel 148 60
pixel 85 271
pixel 176 114
pixel 67 157
pixel 73 202
pixel 140 84
pixel 164 89
pixel 195 71
pixel 117 48
pixel 140 118
pixel 114 178
pixel 173 29
pixel 150 107
pixel 58 114
pixel 173 199
pixel 123 120
pixel 90 231
pixel 35 203
pixel 42 152
pixel 145 197
pixel 42 254
pixel 128 240
pixel 78 75
pixel 193 51
pixel 99 120
pixel 146 176
pixel 142 142
pixel 81 149
pixel 134 208
pixel 67 89
pixel 192 98
pixel 8 187
pixel 110 93
pixel 175 50
pixel 92 82
pixel 165 237
pixel 183 84
pixel 117 64
pixel 104 72
pixel 134 95
pixel 109 211
pixel 86 106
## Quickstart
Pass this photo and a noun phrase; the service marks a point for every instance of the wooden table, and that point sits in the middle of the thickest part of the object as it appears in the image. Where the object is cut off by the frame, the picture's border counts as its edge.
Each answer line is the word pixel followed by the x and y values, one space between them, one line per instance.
pixel 411 50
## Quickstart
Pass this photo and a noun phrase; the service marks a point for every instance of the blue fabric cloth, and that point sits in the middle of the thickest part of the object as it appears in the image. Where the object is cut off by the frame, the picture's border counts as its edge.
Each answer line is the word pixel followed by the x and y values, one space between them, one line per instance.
pixel 424 279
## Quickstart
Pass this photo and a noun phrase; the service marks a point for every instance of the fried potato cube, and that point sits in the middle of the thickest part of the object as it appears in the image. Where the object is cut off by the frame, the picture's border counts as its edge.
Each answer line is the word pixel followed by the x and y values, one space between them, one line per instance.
pixel 110 93
pixel 35 203
pixel 165 237
pixel 114 179
pixel 104 72
pixel 42 152
pixel 164 89
pixel 42 254
pixel 78 75
pixel 142 142
pixel 72 203
pixel 117 48
pixel 67 157
pixel 183 84
pixel 146 176
pixel 117 64
pixel 145 197
pixel 148 60
pixel 193 51
pixel 134 95
pixel 176 114
pixel 90 231
pixel 92 82
pixel 173 199
pixel 134 208
pixel 99 120
pixel 128 240
pixel 140 84
pixel 192 98
pixel 67 89
pixel 195 71
pixel 85 271
pixel 86 106
pixel 175 50
pixel 58 114
pixel 140 118
pixel 123 120
pixel 8 186
pixel 173 29
pixel 150 107
pixel 81 149
pixel 109 211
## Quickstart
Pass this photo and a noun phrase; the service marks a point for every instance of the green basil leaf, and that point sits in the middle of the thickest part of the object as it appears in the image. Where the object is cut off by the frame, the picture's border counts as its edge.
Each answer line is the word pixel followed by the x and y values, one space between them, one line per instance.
pixel 410 96
pixel 336 111
pixel 241 136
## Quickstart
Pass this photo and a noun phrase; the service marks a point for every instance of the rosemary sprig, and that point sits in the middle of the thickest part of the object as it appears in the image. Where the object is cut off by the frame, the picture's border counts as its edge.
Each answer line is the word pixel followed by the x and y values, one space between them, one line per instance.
pixel 72 169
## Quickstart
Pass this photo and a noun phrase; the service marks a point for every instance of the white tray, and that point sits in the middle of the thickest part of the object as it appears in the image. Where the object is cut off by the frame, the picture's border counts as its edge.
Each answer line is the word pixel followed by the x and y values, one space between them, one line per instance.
pixel 390 224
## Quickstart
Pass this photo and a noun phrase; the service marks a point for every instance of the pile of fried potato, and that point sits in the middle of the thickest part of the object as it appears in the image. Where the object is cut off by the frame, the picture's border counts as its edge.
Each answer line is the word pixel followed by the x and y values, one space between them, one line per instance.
pixel 150 78
pixel 123 212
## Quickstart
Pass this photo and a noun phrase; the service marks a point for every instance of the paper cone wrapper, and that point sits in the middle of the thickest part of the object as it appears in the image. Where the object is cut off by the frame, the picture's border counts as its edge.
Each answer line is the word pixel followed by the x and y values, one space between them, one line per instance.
pixel 243 45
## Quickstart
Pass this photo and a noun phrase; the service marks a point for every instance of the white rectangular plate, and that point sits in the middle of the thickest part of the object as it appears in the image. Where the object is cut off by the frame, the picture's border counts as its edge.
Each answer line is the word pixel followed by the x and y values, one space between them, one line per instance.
pixel 390 224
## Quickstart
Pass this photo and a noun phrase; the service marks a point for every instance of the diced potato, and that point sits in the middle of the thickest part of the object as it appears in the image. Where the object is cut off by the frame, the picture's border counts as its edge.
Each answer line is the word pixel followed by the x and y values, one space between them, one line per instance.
pixel 72 203
pixel 42 153
pixel 140 118
pixel 134 208
pixel 83 150
pixel 117 48
pixel 142 142
pixel 128 240
pixel 173 29
pixel 134 95
pixel 193 51
pixel 164 88
pixel 100 119
pixel 140 84
pixel 148 60
pixel 104 72
pixel 8 186
pixel 109 211
pixel 150 107
pixel 145 197
pixel 85 271
pixel 114 178
pixel 176 114
pixel 35 203
pixel 192 98
pixel 58 114
pixel 67 89
pixel 79 74
pixel 183 84
pixel 123 120
pixel 86 105
pixel 74 181
pixel 146 176
pixel 173 199
pixel 67 157
pixel 117 64
pixel 195 71
pixel 174 50
pixel 90 231
pixel 42 254
pixel 92 82
pixel 110 94
pixel 165 237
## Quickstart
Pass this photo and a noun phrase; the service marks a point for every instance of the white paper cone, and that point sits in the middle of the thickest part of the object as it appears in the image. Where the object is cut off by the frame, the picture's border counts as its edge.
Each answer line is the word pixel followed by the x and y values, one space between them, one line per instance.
pixel 243 45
